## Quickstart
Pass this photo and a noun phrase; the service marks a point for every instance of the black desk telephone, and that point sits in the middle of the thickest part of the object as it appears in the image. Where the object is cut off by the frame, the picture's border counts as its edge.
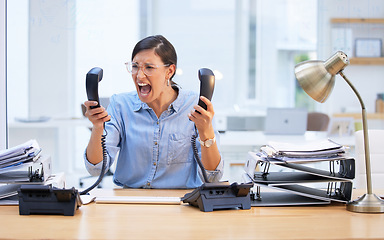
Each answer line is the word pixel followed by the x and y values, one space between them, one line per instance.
pixel 220 195
pixel 42 199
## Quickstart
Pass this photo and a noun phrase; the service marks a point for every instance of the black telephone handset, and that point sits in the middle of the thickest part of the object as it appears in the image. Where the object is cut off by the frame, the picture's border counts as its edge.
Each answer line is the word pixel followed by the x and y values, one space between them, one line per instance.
pixel 94 76
pixel 207 84
pixel 215 195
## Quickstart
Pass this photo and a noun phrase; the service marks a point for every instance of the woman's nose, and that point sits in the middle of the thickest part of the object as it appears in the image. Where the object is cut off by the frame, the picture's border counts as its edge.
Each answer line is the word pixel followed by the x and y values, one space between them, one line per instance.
pixel 140 73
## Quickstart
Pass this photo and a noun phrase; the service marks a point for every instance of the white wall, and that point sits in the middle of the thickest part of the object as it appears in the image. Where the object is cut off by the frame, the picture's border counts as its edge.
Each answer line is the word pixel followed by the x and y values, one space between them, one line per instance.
pixel 206 41
pixel 283 33
pixel 17 59
pixel 51 51
pixel 3 95
pixel 53 44
pixel 368 79
pixel 105 34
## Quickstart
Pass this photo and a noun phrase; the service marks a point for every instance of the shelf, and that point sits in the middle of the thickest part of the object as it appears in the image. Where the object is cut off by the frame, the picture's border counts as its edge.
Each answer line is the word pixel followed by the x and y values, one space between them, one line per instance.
pixel 358 20
pixel 358 116
pixel 367 61
pixel 361 60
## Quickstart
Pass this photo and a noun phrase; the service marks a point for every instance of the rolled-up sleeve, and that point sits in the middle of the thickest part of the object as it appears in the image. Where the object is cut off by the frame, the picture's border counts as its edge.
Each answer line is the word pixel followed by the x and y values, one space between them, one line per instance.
pixel 215 175
pixel 112 141
pixel 94 169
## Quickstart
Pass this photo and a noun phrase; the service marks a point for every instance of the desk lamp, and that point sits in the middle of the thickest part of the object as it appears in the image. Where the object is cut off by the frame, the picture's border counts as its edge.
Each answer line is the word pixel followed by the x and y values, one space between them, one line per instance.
pixel 317 79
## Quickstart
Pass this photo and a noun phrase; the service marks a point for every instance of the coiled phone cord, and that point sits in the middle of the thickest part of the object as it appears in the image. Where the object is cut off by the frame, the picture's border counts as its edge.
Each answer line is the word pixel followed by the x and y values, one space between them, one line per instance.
pixel 196 154
pixel 103 137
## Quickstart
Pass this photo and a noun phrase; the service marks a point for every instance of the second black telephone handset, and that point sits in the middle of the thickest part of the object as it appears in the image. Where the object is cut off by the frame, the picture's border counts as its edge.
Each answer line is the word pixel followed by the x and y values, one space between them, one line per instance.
pixel 93 78
pixel 207 85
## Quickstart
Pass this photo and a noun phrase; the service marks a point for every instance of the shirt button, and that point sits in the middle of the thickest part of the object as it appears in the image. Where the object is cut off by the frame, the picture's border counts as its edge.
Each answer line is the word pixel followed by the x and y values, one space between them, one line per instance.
pixel 154 164
pixel 157 122
pixel 155 143
pixel 148 183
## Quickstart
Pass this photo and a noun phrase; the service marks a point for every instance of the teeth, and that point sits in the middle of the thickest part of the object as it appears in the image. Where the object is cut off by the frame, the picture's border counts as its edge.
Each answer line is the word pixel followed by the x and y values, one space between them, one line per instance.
pixel 142 84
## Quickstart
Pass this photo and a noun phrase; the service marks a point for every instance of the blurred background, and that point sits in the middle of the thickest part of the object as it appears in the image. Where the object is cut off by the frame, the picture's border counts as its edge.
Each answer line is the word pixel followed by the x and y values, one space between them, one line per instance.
pixel 251 45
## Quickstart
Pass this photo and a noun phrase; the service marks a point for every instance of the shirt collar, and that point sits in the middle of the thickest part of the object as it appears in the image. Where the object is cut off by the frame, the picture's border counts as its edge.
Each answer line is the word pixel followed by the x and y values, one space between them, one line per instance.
pixel 176 105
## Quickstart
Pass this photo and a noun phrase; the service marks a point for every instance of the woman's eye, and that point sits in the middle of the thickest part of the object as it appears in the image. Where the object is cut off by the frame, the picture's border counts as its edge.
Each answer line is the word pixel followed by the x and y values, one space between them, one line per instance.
pixel 149 67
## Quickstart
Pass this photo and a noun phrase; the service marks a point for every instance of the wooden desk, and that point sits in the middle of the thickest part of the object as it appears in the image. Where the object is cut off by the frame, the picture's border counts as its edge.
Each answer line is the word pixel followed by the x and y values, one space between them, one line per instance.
pixel 123 221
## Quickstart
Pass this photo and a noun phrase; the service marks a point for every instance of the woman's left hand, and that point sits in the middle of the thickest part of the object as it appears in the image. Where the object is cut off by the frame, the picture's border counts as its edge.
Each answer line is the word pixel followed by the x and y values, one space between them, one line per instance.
pixel 210 156
pixel 203 119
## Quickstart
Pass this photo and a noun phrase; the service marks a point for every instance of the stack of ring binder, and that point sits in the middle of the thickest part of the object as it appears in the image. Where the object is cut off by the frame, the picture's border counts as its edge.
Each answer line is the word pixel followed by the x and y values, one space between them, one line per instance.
pixel 21 164
pixel 318 172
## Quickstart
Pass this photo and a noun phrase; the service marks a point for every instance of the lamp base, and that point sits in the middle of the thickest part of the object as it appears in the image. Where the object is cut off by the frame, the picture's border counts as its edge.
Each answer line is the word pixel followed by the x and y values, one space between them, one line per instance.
pixel 368 203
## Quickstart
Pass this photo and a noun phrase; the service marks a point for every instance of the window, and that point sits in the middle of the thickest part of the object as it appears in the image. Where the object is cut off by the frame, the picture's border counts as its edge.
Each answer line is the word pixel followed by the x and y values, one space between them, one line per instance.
pixel 3 92
pixel 251 45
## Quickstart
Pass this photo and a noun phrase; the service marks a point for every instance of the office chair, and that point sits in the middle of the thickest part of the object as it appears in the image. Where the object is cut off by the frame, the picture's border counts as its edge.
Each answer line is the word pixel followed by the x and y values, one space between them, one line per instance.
pixel 376 138
pixel 317 121
pixel 103 102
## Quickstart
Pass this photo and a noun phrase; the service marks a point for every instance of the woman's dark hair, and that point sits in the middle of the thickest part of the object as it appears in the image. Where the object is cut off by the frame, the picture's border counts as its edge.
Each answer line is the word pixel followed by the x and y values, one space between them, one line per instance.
pixel 163 48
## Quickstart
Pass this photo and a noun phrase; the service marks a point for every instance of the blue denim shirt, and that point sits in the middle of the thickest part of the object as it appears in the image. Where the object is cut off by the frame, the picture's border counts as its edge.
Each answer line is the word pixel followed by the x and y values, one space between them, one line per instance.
pixel 153 152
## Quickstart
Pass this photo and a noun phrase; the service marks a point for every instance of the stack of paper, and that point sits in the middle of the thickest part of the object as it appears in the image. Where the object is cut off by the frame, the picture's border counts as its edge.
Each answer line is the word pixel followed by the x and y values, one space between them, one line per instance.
pixel 21 154
pixel 322 150
pixel 16 169
pixel 294 178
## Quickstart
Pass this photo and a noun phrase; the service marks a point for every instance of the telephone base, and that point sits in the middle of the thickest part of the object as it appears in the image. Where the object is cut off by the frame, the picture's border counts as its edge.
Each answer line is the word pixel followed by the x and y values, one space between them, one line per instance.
pixel 222 195
pixel 44 199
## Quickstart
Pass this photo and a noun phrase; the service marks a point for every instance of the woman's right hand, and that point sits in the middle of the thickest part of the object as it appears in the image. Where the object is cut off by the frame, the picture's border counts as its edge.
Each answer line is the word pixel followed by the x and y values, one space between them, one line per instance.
pixel 96 115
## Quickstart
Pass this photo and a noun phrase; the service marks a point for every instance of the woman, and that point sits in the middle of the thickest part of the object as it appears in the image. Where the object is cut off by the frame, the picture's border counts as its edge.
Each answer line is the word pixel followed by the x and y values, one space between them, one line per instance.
pixel 150 130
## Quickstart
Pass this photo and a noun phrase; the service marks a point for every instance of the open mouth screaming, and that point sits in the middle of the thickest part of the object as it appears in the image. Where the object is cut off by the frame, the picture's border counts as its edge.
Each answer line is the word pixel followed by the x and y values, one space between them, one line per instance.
pixel 144 88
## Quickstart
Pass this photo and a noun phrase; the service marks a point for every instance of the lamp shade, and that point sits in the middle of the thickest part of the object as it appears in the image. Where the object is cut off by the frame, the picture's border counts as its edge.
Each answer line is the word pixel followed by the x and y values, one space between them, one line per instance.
pixel 317 78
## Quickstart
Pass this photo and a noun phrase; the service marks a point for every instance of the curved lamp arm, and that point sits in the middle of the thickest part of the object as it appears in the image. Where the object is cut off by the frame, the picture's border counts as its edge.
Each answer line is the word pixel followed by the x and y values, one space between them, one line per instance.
pixel 365 132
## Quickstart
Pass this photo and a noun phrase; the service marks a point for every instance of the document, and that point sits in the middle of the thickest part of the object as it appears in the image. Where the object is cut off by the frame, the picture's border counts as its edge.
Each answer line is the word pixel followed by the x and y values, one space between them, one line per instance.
pixel 23 153
pixel 307 146
pixel 290 174
pixel 18 150
pixel 323 150
pixel 16 168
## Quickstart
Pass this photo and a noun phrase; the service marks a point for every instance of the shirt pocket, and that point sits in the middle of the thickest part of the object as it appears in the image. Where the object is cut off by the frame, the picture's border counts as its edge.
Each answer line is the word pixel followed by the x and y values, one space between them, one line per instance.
pixel 179 149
